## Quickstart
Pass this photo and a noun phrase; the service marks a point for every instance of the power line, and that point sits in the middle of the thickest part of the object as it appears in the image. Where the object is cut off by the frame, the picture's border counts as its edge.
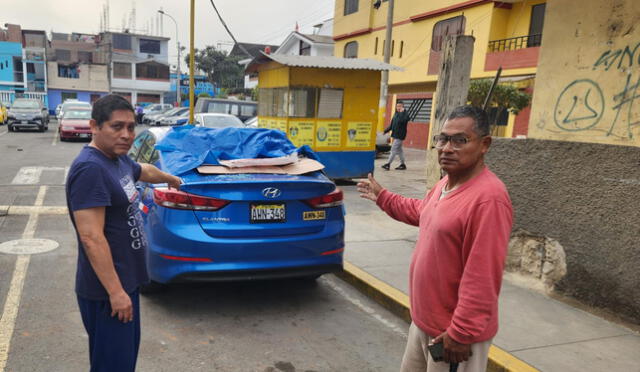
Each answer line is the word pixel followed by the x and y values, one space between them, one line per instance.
pixel 229 31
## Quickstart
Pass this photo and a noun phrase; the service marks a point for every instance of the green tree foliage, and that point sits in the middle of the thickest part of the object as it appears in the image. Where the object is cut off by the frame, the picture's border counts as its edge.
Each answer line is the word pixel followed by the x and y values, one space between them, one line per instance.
pixel 221 69
pixel 204 94
pixel 505 96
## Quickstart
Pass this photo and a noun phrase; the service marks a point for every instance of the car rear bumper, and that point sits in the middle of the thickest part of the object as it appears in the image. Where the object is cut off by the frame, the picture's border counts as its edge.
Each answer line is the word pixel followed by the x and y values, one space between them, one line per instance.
pixel 26 123
pixel 75 134
pixel 170 252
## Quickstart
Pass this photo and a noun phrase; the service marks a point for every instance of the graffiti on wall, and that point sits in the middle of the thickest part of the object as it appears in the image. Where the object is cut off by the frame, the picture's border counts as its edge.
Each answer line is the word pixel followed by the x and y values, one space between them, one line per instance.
pixel 584 106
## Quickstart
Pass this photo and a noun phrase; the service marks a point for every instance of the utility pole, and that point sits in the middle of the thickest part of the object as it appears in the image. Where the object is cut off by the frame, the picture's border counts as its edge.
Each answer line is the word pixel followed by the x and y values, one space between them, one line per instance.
pixel 162 12
pixel 191 60
pixel 384 83
pixel 451 92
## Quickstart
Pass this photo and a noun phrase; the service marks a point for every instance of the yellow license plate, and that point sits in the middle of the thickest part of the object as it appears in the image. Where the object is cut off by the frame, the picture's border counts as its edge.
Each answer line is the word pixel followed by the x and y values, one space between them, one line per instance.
pixel 314 215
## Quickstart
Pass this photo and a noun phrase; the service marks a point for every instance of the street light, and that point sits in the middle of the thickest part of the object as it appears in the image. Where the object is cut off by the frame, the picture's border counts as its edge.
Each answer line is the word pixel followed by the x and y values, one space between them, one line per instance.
pixel 178 90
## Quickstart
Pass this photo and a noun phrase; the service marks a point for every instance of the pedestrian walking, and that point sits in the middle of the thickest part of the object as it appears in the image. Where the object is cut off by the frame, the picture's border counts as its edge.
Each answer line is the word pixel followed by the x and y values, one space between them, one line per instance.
pixel 464 225
pixel 398 129
pixel 103 203
pixel 139 113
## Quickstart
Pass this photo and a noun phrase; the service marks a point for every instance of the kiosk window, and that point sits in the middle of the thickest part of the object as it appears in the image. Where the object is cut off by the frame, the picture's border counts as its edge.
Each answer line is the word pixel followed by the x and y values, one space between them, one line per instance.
pixel 330 105
pixel 302 103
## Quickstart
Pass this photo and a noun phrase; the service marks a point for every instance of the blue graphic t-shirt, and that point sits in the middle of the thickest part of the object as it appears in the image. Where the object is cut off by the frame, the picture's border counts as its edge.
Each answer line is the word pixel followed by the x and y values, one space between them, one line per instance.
pixel 97 181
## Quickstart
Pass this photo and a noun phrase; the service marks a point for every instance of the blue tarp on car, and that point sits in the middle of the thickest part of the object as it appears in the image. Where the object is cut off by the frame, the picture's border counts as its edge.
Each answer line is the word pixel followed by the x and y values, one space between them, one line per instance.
pixel 187 147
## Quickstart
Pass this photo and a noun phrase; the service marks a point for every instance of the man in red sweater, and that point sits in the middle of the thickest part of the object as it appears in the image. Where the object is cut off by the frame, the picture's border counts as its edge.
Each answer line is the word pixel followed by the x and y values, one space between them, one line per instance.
pixel 456 270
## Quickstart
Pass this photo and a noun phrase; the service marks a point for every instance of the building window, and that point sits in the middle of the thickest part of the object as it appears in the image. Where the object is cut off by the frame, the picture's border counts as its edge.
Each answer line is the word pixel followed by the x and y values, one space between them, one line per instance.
pixel 419 109
pixel 401 48
pixel 68 72
pixel 149 46
pixel 122 70
pixel 536 24
pixel 393 46
pixel 63 55
pixel 68 95
pixel 305 49
pixel 152 70
pixel 85 57
pixel 375 48
pixel 351 49
pixel 122 42
pixel 350 6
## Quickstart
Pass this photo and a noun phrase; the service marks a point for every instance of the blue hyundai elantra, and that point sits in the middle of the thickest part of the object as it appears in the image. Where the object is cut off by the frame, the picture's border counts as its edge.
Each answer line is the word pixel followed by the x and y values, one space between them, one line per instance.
pixel 221 227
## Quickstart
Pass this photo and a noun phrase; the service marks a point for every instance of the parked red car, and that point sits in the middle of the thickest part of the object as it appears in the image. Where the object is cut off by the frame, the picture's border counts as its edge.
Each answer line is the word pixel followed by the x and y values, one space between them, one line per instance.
pixel 75 124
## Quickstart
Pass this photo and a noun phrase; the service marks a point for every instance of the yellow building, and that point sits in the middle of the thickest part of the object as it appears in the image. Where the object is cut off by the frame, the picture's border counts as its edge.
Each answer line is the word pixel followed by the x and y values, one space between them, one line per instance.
pixel 507 34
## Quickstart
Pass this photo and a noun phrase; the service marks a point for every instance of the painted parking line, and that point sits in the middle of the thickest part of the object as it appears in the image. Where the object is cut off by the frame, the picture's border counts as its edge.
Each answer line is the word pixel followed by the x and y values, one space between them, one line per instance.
pixel 3 133
pixel 55 139
pixel 31 175
pixel 12 303
pixel 31 209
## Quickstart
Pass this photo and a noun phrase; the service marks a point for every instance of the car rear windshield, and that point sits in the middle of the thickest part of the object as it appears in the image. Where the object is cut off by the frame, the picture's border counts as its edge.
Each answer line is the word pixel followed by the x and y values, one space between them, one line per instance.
pixel 77 114
pixel 25 104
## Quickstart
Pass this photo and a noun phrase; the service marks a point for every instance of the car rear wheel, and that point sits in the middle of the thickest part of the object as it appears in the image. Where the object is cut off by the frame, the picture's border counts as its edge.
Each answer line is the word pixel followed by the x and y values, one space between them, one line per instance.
pixel 41 128
pixel 10 128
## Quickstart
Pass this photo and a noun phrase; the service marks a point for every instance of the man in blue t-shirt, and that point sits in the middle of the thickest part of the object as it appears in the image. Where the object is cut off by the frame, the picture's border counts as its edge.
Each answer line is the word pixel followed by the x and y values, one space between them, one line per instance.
pixel 104 207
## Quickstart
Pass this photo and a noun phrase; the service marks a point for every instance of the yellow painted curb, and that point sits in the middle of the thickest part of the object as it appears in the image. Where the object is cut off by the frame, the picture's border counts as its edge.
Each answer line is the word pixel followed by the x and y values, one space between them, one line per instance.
pixel 398 302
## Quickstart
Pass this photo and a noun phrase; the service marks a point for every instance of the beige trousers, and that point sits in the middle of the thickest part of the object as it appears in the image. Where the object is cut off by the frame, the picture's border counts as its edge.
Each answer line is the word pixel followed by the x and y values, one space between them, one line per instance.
pixel 417 359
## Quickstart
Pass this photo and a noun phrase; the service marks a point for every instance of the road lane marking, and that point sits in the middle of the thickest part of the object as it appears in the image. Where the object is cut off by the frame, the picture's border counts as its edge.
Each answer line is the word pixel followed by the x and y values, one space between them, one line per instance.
pixel 3 133
pixel 30 209
pixel 369 310
pixel 55 139
pixel 12 303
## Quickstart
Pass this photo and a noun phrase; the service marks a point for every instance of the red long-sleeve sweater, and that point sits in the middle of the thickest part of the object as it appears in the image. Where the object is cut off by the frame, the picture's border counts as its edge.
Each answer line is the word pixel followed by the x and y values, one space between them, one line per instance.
pixel 456 268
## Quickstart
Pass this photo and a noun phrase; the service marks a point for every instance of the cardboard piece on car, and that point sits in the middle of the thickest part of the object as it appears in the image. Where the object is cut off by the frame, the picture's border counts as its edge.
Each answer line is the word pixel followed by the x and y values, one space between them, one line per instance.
pixel 302 166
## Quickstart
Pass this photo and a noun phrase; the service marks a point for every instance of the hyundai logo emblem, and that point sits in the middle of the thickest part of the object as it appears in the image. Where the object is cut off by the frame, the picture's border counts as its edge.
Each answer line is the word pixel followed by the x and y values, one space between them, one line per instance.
pixel 271 192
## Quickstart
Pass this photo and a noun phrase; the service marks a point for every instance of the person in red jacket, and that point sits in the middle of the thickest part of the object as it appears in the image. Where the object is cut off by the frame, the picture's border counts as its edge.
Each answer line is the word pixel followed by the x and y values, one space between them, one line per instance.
pixel 464 225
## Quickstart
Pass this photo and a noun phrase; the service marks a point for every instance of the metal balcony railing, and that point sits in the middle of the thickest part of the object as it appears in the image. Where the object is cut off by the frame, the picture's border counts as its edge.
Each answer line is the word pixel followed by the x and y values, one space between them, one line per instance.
pixel 515 43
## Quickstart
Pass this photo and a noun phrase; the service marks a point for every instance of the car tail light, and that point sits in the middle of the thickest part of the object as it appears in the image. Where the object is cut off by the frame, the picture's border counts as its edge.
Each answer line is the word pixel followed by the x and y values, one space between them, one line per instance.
pixel 175 199
pixel 332 199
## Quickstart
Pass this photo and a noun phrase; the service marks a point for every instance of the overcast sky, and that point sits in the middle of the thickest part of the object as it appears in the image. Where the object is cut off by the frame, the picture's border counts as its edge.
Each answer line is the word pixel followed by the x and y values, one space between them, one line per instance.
pixel 254 21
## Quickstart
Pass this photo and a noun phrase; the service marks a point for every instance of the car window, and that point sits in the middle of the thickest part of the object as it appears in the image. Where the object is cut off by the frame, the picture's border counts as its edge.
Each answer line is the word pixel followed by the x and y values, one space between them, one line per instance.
pixel 217 107
pixel 147 150
pixel 222 121
pixel 26 104
pixel 235 110
pixel 247 110
pixel 134 151
pixel 77 114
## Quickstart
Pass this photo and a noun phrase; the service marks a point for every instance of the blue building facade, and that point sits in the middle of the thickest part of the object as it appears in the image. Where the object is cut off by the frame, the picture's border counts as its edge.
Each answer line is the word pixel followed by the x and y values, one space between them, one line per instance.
pixel 57 96
pixel 11 74
pixel 201 86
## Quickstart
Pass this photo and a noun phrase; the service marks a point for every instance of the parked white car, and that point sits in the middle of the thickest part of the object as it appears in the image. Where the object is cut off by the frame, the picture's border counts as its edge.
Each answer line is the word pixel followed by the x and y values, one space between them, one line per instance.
pixel 213 120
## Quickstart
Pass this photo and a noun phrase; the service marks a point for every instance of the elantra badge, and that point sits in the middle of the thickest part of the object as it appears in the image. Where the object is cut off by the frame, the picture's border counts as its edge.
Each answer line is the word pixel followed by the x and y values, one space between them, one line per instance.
pixel 271 192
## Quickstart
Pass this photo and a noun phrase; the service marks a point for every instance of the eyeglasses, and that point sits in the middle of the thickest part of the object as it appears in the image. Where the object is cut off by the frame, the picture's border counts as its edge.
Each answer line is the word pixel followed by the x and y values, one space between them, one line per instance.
pixel 457 141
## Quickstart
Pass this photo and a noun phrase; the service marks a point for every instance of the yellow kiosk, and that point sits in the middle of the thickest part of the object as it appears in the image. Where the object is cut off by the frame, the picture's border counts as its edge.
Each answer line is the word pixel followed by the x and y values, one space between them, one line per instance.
pixel 328 103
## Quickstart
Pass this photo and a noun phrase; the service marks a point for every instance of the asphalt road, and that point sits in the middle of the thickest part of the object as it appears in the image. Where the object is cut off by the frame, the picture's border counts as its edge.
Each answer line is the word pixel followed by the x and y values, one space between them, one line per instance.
pixel 264 326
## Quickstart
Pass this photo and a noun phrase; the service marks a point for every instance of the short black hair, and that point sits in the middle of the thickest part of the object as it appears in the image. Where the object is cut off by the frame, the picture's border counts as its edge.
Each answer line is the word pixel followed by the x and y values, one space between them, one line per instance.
pixel 479 116
pixel 105 106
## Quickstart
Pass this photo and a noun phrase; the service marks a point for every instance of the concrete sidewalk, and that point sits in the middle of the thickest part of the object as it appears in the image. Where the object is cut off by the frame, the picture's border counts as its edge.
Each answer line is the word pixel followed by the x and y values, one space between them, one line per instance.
pixel 544 333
